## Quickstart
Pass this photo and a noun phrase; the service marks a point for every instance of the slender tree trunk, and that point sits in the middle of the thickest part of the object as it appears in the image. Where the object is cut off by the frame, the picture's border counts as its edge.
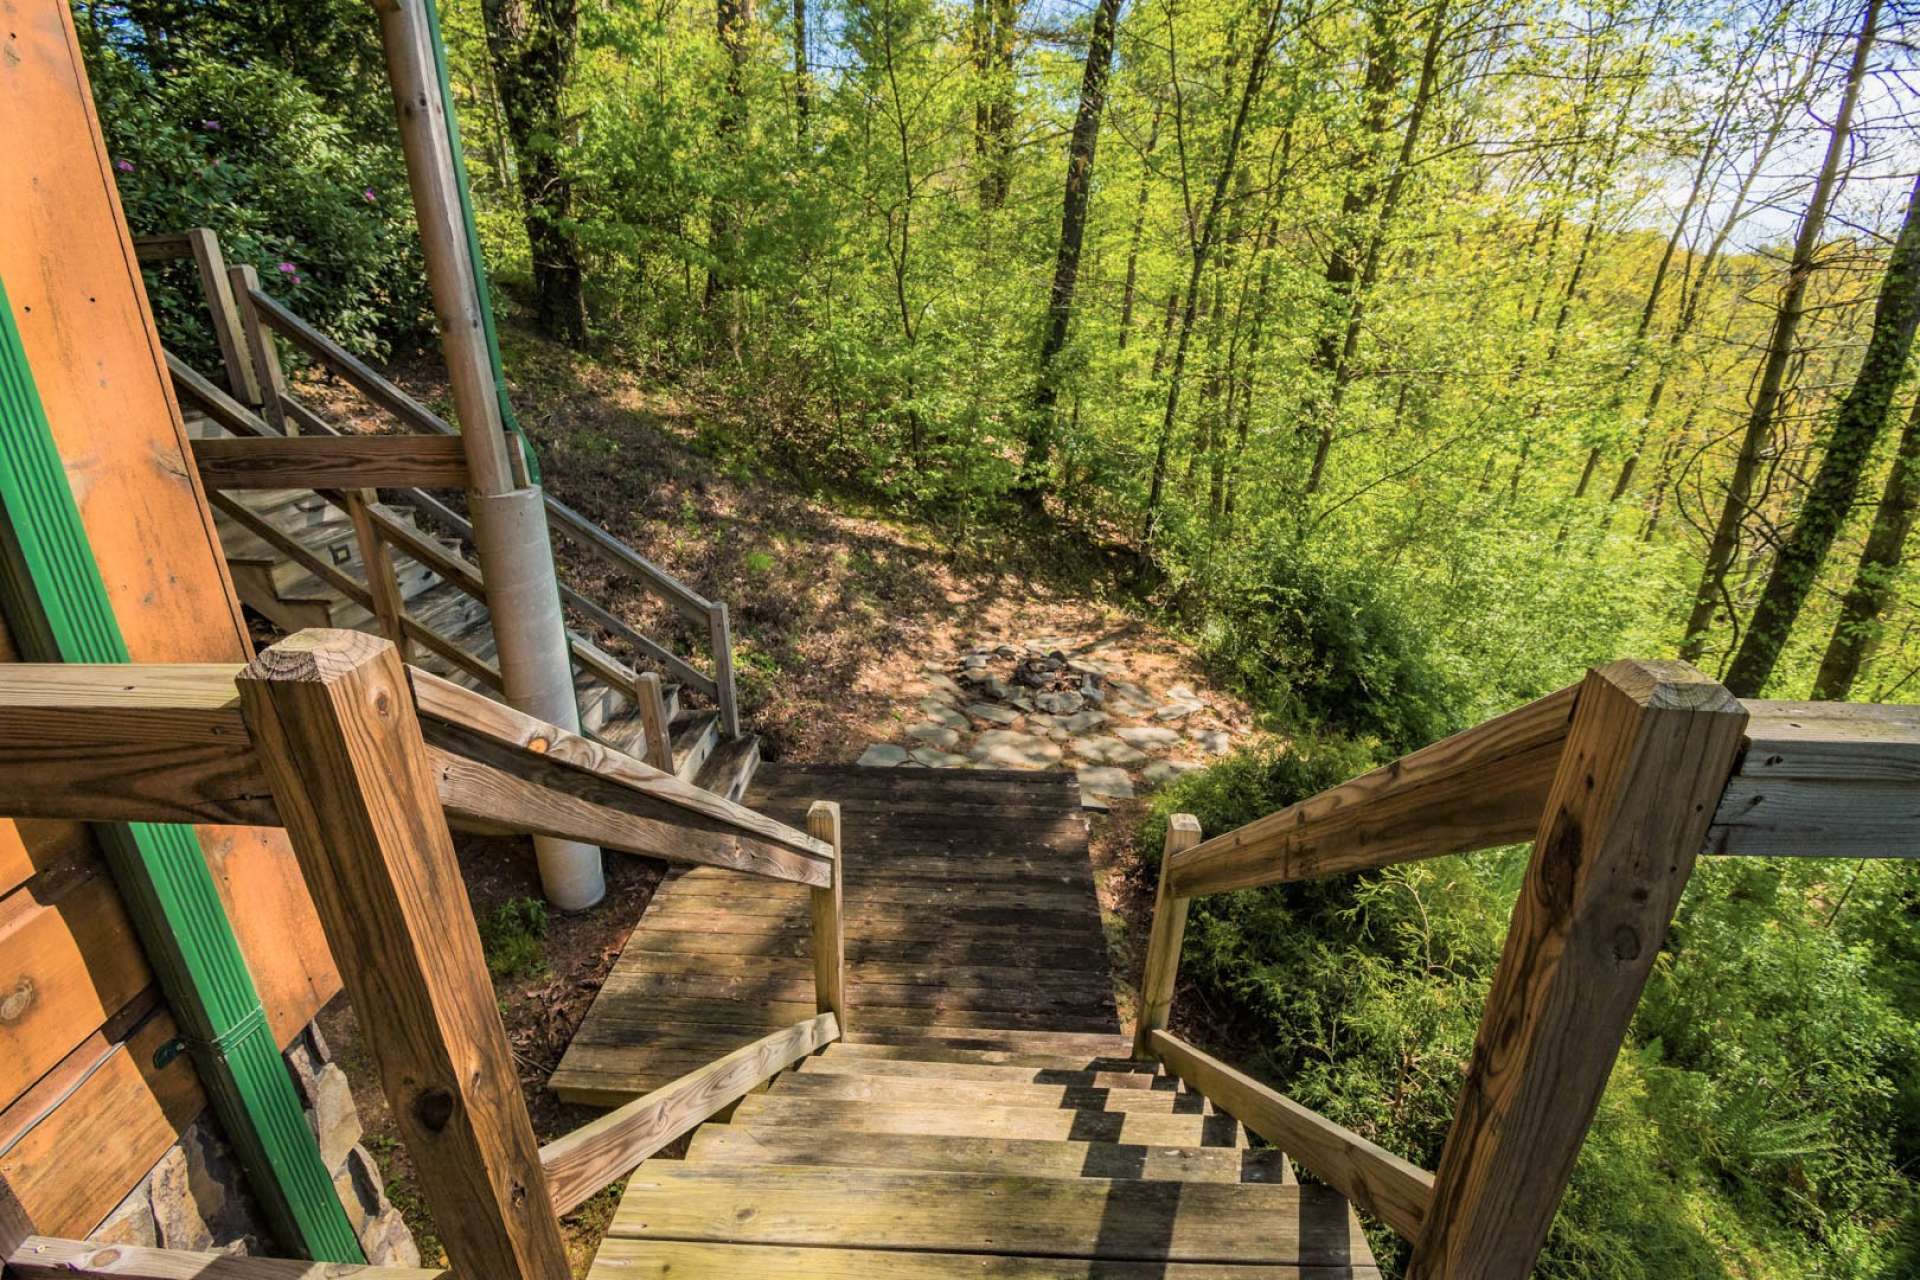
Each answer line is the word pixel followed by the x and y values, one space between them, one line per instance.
pixel 1256 73
pixel 1872 591
pixel 802 74
pixel 1856 428
pixel 1073 225
pixel 1139 226
pixel 1766 399
pixel 733 20
pixel 531 44
pixel 992 40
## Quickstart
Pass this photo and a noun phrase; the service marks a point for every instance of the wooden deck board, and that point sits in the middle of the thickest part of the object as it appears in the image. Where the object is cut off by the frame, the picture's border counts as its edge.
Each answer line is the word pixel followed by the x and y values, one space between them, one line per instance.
pixel 970 909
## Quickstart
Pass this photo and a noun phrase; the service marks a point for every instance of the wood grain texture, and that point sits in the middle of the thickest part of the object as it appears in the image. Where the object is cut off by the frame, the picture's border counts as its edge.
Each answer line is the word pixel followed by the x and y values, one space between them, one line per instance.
pixel 1824 780
pixel 389 607
pixel 337 732
pixel 926 1117
pixel 1649 752
pixel 74 281
pixel 1162 971
pixel 581 1163
pixel 1477 789
pixel 49 1258
pixel 727 1144
pixel 331 462
pixel 1374 1179
pixel 1065 1217
pixel 825 911
pixel 677 1259
pixel 847 1087
pixel 651 705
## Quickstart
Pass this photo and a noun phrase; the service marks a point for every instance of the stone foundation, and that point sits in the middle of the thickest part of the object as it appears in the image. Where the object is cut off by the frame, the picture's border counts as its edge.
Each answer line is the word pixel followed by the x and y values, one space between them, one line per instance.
pixel 195 1197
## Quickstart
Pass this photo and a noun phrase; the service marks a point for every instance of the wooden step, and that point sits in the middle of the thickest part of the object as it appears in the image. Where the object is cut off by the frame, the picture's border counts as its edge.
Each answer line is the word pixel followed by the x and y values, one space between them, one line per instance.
pixel 1107 1218
pixel 727 1144
pixel 986 1073
pixel 860 1052
pixel 966 1093
pixel 694 735
pixel 705 1260
pixel 1054 1044
pixel 787 1110
pixel 729 769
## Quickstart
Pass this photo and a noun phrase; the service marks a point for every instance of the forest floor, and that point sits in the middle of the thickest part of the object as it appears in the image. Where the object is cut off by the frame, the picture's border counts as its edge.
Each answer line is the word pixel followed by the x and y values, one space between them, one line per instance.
pixel 846 621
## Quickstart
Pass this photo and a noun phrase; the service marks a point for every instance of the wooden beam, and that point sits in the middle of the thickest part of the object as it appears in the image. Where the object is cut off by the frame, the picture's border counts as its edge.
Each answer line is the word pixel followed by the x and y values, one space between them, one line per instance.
pixel 531 740
pixel 1163 943
pixel 1474 790
pixel 1824 779
pixel 652 706
pixel 342 748
pixel 331 462
pixel 47 1258
pixel 826 915
pixel 1377 1181
pixel 721 634
pixel 389 607
pixel 1649 751
pixel 261 353
pixel 342 363
pixel 586 1160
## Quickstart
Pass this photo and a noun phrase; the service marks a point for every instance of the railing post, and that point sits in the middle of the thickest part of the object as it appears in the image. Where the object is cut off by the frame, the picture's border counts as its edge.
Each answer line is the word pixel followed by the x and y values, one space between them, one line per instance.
pixel 653 721
pixel 1649 751
pixel 722 635
pixel 214 282
pixel 829 932
pixel 333 717
pixel 1163 943
pixel 375 558
pixel 271 382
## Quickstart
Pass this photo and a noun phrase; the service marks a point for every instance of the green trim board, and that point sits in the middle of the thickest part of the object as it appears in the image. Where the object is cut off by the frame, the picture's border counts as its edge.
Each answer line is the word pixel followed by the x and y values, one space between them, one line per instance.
pixel 55 602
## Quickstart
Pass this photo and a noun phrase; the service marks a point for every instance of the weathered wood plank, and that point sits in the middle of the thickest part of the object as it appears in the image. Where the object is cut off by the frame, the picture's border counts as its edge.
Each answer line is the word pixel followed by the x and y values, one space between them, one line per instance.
pixel 341 744
pixel 48 1258
pixel 965 1093
pixel 676 1259
pixel 581 1163
pixel 1162 972
pixel 331 462
pixel 825 913
pixel 1474 790
pixel 1648 754
pixel 983 1072
pixel 726 1144
pixel 1063 1217
pixel 1379 1182
pixel 768 1110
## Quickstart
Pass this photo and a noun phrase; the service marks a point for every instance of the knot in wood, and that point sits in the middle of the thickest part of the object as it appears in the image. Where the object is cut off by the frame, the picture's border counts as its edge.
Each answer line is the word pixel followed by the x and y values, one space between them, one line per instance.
pixel 433 1108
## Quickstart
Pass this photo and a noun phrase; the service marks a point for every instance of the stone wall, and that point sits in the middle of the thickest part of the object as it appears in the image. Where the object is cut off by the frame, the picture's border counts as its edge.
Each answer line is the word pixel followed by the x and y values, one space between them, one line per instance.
pixel 195 1197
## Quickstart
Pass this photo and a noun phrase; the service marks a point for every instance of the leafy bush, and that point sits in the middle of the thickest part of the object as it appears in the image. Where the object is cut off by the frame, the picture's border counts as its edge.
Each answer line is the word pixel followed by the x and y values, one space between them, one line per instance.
pixel 1761 1119
pixel 320 210
pixel 1327 643
pixel 513 935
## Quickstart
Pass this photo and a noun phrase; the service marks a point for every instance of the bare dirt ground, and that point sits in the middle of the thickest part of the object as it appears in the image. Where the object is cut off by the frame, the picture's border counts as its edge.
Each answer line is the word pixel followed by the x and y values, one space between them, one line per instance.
pixel 836 607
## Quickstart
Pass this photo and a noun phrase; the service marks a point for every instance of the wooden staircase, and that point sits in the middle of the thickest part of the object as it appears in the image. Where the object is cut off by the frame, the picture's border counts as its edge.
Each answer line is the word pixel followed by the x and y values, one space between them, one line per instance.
pixel 986 1154
pixel 291 596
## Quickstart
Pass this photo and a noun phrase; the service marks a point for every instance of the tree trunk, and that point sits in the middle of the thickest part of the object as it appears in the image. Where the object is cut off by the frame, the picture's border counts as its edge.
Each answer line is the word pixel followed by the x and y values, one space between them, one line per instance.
pixel 1856 428
pixel 532 44
pixel 802 74
pixel 1256 73
pixel 1073 225
pixel 1766 399
pixel 1139 226
pixel 1872 591
pixel 992 39
pixel 733 20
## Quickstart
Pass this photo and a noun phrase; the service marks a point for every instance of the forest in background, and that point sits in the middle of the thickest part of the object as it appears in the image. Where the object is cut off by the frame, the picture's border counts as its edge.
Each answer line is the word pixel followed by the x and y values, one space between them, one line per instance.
pixel 1415 354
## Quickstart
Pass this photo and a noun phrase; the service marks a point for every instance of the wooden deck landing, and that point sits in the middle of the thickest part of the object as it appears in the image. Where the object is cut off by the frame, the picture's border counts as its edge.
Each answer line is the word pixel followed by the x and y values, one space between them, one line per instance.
pixel 969 905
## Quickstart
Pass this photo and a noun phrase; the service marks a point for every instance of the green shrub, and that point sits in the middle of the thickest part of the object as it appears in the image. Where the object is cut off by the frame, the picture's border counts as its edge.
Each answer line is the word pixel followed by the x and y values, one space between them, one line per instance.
pixel 320 210
pixel 513 935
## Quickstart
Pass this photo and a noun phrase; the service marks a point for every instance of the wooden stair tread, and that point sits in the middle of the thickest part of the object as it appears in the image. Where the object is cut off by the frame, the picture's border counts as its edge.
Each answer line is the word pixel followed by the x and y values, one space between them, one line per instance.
pixel 693 736
pixel 786 1110
pixel 960 1093
pixel 1020 1058
pixel 1038 1157
pixel 624 1259
pixel 1053 1043
pixel 730 767
pixel 1146 1221
pixel 941 1073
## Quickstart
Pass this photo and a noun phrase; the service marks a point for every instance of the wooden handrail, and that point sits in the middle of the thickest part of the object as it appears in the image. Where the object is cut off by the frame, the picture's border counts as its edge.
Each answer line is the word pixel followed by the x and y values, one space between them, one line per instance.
pixel 1472 791
pixel 1375 1179
pixel 331 462
pixel 612 1146
pixel 1840 779
pixel 168 744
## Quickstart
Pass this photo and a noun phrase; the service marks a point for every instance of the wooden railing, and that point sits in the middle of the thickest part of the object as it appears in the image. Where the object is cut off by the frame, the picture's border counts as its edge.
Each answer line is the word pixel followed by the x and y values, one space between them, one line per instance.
pixel 369 765
pixel 246 320
pixel 1621 781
